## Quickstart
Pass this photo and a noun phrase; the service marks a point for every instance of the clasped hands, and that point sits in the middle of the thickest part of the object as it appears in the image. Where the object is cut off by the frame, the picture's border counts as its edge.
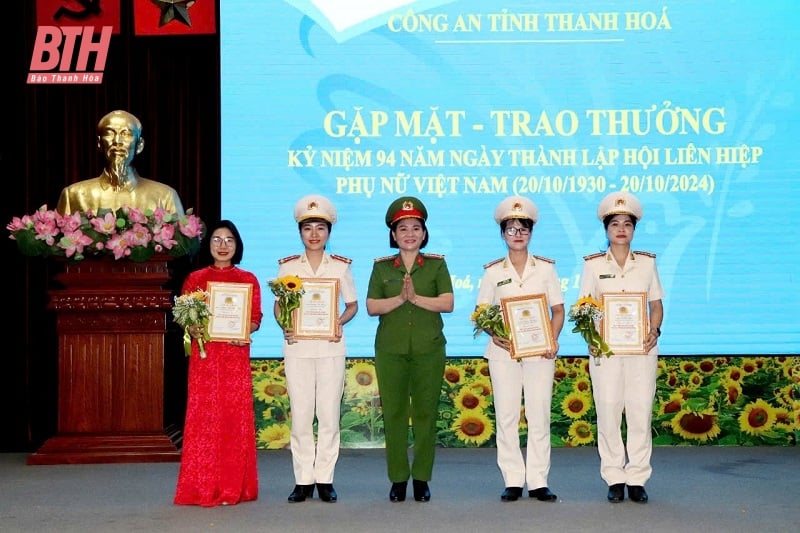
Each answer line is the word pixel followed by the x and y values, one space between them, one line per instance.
pixel 408 294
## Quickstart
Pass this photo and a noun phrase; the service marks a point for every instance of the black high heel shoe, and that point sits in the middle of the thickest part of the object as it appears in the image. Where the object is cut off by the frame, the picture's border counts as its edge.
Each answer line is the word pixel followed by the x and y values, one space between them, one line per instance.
pixel 511 494
pixel 326 492
pixel 398 492
pixel 637 493
pixel 300 493
pixel 421 491
pixel 616 492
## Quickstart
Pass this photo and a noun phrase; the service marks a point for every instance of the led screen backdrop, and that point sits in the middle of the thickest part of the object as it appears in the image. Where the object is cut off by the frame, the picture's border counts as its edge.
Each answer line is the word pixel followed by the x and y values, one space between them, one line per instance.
pixel 690 105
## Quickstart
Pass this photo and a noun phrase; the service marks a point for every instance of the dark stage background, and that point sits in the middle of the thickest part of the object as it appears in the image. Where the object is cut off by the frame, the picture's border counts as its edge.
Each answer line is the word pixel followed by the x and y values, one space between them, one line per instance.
pixel 48 141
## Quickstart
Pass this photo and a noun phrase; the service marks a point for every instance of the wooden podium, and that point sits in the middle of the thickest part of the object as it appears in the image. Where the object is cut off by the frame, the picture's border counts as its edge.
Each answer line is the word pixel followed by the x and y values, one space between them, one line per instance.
pixel 111 324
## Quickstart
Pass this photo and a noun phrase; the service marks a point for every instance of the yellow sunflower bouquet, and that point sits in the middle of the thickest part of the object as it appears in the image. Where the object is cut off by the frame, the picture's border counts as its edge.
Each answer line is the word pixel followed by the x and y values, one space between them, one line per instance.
pixel 488 317
pixel 289 290
pixel 192 309
pixel 584 313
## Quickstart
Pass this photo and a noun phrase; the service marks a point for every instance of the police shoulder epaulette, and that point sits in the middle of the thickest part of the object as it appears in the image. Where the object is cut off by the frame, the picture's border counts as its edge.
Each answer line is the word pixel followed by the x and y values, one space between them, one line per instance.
pixel 545 259
pixel 289 258
pixel 342 258
pixel 648 254
pixel 385 258
pixel 487 265
pixel 594 256
pixel 433 256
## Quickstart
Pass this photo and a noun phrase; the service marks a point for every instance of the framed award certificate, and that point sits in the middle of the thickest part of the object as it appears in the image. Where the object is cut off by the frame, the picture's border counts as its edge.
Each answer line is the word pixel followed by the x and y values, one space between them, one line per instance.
pixel 624 323
pixel 230 311
pixel 319 309
pixel 528 322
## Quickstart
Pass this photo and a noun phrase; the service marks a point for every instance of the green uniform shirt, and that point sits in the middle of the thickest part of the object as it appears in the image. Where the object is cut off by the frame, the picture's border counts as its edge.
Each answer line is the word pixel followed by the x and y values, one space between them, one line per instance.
pixel 409 329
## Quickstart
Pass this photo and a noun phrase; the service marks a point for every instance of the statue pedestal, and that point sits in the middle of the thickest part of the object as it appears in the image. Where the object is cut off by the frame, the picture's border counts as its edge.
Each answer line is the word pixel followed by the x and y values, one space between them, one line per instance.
pixel 111 323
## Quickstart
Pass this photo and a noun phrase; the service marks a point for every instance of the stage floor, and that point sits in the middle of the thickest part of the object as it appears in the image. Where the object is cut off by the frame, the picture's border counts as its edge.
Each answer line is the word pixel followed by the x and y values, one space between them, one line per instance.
pixel 704 489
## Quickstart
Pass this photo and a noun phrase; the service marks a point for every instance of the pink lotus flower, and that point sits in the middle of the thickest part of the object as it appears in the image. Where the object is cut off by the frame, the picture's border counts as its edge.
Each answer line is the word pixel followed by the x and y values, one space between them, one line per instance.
pixel 135 215
pixel 74 242
pixel 191 227
pixel 69 223
pixel 118 244
pixel 106 225
pixel 47 231
pixel 161 215
pixel 17 223
pixel 163 235
pixel 138 235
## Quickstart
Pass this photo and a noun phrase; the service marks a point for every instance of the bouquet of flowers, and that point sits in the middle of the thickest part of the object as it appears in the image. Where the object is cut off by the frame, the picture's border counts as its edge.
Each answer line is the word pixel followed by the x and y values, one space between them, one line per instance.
pixel 584 313
pixel 192 309
pixel 125 233
pixel 289 290
pixel 488 317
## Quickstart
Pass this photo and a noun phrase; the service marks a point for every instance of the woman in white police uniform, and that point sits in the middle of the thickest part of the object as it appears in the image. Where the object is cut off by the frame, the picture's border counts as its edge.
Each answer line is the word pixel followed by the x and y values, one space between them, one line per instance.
pixel 624 383
pixel 315 368
pixel 520 273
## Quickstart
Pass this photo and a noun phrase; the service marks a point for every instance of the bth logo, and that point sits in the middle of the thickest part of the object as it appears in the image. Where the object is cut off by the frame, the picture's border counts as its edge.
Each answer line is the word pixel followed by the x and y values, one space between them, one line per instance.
pixel 61 55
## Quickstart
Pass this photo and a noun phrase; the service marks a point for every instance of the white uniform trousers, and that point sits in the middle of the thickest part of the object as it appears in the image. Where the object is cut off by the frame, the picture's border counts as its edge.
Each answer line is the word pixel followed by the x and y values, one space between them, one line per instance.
pixel 509 379
pixel 624 383
pixel 315 387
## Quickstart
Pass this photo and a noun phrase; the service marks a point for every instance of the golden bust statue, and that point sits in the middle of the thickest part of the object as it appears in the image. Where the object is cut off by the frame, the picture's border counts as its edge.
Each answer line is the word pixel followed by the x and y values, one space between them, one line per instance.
pixel 119 138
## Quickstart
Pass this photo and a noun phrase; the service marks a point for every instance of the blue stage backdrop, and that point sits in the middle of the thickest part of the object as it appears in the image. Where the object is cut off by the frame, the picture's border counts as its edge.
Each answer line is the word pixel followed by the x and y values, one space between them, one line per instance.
pixel 690 105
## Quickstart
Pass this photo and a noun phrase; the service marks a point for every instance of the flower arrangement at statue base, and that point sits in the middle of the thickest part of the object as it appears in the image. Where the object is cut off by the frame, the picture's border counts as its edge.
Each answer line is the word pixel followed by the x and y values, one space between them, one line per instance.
pixel 127 233
pixel 489 318
pixel 584 313
pixel 289 290
pixel 190 310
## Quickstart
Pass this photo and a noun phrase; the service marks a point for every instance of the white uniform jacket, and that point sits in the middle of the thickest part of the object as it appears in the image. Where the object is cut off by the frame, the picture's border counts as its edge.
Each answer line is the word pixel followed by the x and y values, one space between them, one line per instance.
pixel 332 266
pixel 602 274
pixel 500 280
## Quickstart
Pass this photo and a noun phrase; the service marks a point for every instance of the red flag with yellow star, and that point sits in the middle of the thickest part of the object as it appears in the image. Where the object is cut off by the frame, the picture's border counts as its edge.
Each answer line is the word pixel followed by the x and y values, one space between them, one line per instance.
pixel 97 13
pixel 174 17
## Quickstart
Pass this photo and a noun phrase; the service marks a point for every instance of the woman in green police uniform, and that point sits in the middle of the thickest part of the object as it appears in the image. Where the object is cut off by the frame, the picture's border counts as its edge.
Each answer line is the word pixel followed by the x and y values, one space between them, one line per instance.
pixel 409 291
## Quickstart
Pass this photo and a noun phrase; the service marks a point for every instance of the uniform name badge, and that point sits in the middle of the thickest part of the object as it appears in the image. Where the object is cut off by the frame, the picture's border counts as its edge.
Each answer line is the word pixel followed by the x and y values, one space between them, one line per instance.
pixel 624 323
pixel 317 315
pixel 528 323
pixel 230 305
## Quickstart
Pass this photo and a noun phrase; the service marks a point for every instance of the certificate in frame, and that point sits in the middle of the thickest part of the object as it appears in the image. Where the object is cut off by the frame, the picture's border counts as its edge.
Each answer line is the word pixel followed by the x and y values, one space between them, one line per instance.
pixel 319 309
pixel 230 311
pixel 624 322
pixel 528 322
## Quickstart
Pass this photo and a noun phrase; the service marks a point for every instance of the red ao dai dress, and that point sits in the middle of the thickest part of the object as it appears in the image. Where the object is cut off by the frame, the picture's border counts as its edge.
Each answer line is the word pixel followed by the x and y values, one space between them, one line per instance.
pixel 218 462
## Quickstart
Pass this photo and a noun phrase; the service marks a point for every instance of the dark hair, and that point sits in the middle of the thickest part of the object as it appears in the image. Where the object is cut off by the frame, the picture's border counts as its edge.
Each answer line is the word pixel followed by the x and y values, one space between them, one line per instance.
pixel 607 219
pixel 207 258
pixel 526 223
pixel 393 227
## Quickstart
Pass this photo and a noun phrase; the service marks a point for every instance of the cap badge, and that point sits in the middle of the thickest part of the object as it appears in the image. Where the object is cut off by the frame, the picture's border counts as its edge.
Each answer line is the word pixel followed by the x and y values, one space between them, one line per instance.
pixel 516 207
pixel 619 202
pixel 408 206
pixel 312 205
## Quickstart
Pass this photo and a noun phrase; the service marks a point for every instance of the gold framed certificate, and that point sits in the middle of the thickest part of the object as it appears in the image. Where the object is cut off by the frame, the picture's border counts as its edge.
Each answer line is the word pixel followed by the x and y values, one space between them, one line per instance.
pixel 528 322
pixel 624 322
pixel 230 311
pixel 319 309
